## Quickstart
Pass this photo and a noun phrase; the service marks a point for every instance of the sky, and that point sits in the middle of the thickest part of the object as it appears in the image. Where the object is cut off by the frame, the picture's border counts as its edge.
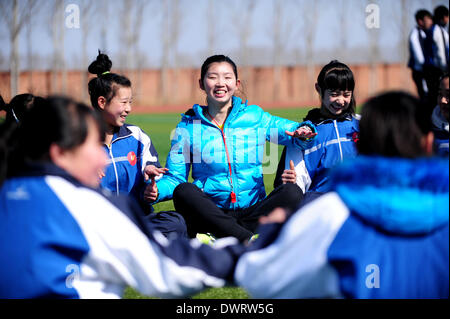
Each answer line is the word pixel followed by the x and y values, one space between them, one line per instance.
pixel 340 31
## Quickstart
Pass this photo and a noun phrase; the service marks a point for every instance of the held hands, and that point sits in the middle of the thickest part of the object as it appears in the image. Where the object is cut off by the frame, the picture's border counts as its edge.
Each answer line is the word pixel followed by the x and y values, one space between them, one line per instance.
pixel 151 191
pixel 151 171
pixel 289 175
pixel 303 132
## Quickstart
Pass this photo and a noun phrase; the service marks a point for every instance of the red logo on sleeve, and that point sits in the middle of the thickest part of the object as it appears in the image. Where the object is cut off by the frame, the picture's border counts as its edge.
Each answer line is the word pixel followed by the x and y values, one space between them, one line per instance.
pixel 132 158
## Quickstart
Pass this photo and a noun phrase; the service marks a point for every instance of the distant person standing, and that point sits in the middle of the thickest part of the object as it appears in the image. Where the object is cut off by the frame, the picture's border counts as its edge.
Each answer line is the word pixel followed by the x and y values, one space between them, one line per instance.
pixel 416 61
pixel 437 49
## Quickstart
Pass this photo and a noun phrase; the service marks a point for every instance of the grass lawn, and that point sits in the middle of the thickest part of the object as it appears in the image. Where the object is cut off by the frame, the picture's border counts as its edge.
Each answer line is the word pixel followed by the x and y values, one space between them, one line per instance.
pixel 158 127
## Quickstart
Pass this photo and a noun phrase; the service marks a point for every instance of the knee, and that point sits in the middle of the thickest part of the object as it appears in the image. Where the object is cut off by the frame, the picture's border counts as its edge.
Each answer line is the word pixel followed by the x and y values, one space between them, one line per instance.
pixel 185 190
pixel 292 192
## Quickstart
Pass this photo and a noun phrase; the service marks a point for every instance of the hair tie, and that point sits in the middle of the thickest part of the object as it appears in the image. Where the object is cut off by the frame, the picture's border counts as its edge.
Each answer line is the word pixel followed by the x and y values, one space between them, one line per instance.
pixel 106 72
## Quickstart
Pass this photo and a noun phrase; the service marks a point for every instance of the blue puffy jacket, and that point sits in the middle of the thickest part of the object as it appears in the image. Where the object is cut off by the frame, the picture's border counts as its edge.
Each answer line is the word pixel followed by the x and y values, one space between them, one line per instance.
pixel 229 163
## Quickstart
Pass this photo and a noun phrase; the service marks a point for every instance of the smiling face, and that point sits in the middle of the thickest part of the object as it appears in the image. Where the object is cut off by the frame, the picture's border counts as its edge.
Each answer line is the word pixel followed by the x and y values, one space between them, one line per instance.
pixel 219 83
pixel 116 111
pixel 336 102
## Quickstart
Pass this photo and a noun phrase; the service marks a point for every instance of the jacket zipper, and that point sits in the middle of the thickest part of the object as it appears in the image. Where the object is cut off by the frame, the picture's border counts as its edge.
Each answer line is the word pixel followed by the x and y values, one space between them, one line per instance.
pixel 339 140
pixel 233 194
pixel 114 163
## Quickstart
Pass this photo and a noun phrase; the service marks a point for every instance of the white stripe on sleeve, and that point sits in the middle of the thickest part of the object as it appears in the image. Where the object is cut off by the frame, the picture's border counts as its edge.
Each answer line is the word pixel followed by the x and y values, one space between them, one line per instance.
pixel 120 254
pixel 295 264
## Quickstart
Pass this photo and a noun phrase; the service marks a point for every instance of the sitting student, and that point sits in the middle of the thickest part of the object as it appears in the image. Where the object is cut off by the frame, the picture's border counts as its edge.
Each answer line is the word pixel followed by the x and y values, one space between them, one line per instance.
pixel 337 128
pixel 440 118
pixel 224 142
pixel 132 156
pixel 60 238
pixel 381 233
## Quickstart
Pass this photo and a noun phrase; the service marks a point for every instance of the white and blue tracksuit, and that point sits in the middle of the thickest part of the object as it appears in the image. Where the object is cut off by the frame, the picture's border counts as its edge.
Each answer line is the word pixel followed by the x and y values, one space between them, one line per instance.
pixel 382 233
pixel 128 153
pixel 59 239
pixel 417 39
pixel 441 132
pixel 335 142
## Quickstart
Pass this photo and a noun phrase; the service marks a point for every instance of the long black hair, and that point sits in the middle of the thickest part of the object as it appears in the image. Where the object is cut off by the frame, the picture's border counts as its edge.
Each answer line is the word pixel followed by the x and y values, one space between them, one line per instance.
pixel 337 76
pixel 57 120
pixel 106 83
pixel 393 124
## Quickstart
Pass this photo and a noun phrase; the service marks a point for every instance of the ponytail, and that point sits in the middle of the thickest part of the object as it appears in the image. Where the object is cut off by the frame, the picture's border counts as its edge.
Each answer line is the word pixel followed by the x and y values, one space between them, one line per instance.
pixel 106 83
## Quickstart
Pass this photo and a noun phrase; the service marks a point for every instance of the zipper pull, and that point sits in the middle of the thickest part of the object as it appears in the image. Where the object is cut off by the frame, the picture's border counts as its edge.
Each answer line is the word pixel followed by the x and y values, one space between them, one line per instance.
pixel 233 197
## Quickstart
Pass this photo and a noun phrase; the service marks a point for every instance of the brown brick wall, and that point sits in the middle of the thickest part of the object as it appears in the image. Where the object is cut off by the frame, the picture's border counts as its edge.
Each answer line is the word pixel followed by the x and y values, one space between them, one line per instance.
pixel 295 88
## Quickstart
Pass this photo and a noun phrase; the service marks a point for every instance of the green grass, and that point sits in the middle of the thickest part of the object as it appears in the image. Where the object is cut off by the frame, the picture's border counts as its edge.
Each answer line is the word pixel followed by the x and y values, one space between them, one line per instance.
pixel 158 127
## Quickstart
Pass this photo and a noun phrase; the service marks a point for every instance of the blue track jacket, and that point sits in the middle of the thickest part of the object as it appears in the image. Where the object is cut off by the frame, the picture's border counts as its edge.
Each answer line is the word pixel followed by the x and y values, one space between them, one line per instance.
pixel 59 239
pixel 381 233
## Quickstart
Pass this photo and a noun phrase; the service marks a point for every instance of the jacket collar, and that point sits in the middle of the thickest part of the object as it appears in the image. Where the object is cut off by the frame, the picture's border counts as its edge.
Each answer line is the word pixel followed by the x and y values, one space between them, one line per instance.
pixel 399 195
pixel 237 106
pixel 316 117
pixel 46 168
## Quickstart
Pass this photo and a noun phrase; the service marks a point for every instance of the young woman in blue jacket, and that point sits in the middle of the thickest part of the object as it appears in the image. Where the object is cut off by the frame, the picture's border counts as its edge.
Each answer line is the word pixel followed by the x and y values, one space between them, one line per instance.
pixel 337 127
pixel 132 157
pixel 223 143
pixel 382 232
pixel 62 238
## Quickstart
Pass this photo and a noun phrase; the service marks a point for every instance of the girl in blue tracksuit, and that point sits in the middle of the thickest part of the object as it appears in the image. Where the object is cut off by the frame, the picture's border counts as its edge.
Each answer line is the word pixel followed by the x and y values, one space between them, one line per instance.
pixel 223 142
pixel 61 238
pixel 132 157
pixel 337 127
pixel 382 232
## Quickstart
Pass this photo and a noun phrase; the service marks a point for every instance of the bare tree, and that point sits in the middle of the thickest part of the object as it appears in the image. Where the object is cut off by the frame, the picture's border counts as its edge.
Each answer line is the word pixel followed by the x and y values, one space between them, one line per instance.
pixel 171 22
pixel 374 54
pixel 56 29
pixel 131 29
pixel 280 32
pixel 242 22
pixel 342 20
pixel 15 18
pixel 309 11
pixel 87 15
pixel 211 16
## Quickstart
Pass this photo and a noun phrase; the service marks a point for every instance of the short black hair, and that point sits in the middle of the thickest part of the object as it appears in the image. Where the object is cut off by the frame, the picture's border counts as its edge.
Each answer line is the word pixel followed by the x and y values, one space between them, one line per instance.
pixel 337 76
pixel 422 13
pixel 440 12
pixel 393 124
